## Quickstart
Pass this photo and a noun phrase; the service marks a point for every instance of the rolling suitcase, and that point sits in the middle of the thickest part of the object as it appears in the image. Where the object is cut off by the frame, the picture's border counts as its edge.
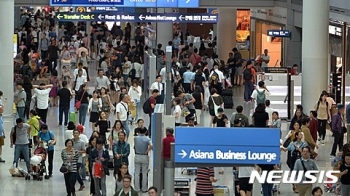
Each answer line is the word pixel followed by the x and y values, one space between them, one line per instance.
pixel 73 117
pixel 227 96
pixel 221 191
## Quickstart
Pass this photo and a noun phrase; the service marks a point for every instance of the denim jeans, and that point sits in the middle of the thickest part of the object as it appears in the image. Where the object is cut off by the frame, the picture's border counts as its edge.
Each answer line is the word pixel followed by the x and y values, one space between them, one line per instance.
pixel 69 180
pixel 83 168
pixel 127 128
pixel 20 112
pixel 78 177
pixel 141 166
pixel 125 78
pixel 82 113
pixel 65 110
pixel 22 148
pixel 248 90
pixel 100 186
pixel 267 189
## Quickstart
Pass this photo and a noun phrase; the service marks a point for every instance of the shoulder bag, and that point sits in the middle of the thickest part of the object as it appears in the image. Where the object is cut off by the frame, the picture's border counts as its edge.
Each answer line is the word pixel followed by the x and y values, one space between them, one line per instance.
pixel 78 103
pixel 216 107
pixel 67 167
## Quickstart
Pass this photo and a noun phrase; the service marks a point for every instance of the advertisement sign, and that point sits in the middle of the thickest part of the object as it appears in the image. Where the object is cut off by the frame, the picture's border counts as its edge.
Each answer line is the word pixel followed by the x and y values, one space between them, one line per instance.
pixel 137 17
pixel 128 3
pixel 227 146
pixel 15 45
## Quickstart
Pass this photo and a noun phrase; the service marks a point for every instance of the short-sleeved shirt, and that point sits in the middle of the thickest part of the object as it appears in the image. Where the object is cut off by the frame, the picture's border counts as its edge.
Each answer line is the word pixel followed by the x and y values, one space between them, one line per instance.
pixel 102 82
pixel 47 137
pixel 79 145
pixel 188 97
pixel 141 144
pixel 238 57
pixel 204 186
pixel 151 101
pixel 65 96
pixel 122 109
pixel 220 122
pixel 21 134
pixel 260 119
pixel 22 94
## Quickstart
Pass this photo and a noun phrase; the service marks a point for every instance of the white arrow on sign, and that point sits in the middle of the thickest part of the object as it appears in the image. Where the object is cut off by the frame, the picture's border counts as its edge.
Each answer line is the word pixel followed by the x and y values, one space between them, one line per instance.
pixel 141 17
pixel 188 1
pixel 59 16
pixel 100 16
pixel 183 154
pixel 180 17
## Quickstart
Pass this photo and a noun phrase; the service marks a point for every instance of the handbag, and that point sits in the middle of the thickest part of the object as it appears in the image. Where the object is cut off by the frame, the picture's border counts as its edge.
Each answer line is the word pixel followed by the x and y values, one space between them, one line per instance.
pixel 65 168
pixel 344 130
pixel 78 103
pixel 216 107
pixel 98 170
pixel 287 142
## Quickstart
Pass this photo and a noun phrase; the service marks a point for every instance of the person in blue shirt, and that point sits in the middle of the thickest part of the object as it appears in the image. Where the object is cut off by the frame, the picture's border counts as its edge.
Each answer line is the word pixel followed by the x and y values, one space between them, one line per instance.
pixel 188 78
pixel 49 138
pixel 2 132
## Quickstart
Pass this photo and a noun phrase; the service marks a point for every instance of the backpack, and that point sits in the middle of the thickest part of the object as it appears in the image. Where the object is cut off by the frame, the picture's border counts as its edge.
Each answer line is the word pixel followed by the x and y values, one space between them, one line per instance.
pixel 132 72
pixel 27 71
pixel 41 123
pixel 138 30
pixel 247 74
pixel 146 107
pixel 214 78
pixel 260 97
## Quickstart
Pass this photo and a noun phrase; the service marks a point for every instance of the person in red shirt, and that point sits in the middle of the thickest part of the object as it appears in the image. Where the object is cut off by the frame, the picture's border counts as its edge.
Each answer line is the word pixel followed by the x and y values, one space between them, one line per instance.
pixel 294 70
pixel 313 126
pixel 152 103
pixel 166 148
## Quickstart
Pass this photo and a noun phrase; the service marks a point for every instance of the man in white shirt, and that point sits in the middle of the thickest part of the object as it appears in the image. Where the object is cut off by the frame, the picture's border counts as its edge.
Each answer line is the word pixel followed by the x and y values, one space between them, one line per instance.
pixel 221 79
pixel 80 66
pixel 122 110
pixel 269 110
pixel 265 59
pixel 256 94
pixel 159 86
pixel 139 69
pixel 79 80
pixel 41 94
pixel 102 81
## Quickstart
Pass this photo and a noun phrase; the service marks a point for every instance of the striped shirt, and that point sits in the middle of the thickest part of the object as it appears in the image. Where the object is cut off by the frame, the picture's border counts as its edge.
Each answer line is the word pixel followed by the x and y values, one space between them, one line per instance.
pixel 204 185
pixel 70 158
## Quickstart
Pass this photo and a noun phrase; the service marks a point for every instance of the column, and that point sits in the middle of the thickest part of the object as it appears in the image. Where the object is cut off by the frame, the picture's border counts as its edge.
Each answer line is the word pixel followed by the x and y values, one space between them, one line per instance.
pixel 164 30
pixel 6 52
pixel 226 31
pixel 314 51
pixel 292 54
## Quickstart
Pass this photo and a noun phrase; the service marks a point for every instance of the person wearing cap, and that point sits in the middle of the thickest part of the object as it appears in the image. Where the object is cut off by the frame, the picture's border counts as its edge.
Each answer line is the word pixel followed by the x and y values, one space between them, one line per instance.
pixel 49 138
pixel 338 129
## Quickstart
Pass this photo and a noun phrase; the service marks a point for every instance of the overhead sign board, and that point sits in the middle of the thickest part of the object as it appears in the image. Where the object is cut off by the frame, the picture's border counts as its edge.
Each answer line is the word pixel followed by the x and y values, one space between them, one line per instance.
pixel 278 33
pixel 138 17
pixel 128 3
pixel 227 146
pixel 82 9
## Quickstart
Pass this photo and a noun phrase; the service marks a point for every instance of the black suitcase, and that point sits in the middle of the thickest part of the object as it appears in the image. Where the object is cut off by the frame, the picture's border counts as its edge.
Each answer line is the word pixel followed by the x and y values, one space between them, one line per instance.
pixel 228 102
pixel 227 92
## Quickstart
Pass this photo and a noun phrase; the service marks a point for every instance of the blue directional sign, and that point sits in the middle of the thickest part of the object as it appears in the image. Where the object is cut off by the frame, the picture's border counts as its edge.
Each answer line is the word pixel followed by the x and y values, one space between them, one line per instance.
pixel 128 3
pixel 278 33
pixel 227 146
pixel 83 9
pixel 138 17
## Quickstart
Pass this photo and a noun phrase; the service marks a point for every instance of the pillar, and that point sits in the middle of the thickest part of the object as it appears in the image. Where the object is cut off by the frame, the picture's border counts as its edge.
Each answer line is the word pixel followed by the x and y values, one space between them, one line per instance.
pixel 6 52
pixel 226 31
pixel 292 53
pixel 314 51
pixel 164 30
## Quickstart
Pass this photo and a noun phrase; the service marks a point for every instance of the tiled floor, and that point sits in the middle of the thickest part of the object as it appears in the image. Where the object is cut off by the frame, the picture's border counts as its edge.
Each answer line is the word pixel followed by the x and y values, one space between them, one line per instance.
pixel 11 186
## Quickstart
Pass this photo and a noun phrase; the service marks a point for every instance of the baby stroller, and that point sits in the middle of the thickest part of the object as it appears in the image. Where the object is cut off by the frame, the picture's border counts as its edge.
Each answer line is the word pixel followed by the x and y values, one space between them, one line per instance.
pixel 332 188
pixel 37 163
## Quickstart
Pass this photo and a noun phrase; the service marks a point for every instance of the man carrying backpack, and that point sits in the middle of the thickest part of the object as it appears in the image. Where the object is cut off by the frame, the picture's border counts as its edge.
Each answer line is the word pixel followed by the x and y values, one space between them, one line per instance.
pixel 259 94
pixel 248 77
pixel 216 79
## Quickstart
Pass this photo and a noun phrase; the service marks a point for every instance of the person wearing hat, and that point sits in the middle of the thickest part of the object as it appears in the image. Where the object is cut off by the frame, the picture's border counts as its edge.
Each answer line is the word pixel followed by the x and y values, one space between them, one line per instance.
pixel 338 129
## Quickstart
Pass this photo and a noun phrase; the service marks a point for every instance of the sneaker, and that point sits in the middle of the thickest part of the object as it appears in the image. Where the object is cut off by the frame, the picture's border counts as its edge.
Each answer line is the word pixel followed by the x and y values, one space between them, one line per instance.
pixel 331 156
pixel 319 139
pixel 2 160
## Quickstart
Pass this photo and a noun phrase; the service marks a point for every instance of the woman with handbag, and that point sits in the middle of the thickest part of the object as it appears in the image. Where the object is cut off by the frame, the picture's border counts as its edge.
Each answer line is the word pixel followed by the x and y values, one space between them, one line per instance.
pixel 289 138
pixel 99 157
pixel 69 167
pixel 82 103
pixel 214 103
pixel 107 105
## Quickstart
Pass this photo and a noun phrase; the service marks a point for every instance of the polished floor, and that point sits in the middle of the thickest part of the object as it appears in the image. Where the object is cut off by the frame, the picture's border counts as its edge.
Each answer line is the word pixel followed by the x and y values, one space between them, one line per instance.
pixel 11 186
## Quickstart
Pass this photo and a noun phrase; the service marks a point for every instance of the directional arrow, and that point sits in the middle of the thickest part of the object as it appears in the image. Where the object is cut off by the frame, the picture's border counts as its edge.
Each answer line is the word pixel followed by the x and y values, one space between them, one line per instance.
pixel 141 17
pixel 188 1
pixel 59 16
pixel 100 16
pixel 183 154
pixel 180 17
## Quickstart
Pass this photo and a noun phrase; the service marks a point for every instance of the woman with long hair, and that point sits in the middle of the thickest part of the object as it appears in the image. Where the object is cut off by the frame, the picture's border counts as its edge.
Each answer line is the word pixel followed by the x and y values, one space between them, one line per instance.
pixel 54 80
pixel 118 175
pixel 215 99
pixel 106 102
pixel 113 137
pixel 94 108
pixel 323 115
pixel 84 97
pixel 91 146
pixel 199 103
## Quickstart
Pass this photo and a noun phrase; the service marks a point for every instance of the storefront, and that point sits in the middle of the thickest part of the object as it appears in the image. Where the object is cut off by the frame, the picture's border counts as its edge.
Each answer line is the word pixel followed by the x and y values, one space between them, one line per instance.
pixel 263 20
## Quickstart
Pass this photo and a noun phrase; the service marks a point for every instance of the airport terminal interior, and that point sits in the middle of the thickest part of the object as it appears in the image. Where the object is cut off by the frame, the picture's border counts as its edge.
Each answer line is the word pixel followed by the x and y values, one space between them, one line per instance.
pixel 269 37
